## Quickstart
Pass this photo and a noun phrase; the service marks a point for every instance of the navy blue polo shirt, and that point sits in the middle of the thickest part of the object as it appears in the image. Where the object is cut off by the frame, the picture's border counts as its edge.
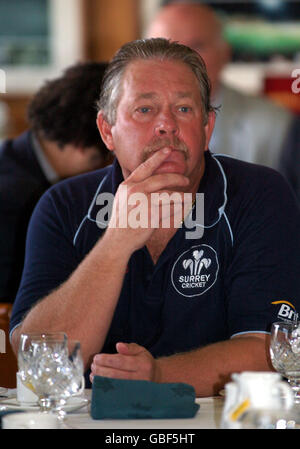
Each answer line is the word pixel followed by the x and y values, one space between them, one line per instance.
pixel 238 277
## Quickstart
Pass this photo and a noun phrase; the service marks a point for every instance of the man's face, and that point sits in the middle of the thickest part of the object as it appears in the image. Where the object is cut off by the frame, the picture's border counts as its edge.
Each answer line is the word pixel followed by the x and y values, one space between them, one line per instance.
pixel 196 27
pixel 160 106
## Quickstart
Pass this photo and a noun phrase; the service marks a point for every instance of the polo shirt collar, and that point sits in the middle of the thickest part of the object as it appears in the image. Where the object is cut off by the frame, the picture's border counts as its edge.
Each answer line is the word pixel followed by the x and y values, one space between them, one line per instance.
pixel 213 186
pixel 117 176
pixel 111 177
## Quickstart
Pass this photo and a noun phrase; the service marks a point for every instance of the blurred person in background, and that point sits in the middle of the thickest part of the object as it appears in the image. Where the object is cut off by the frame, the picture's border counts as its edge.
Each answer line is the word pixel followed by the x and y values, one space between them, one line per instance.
pixel 4 121
pixel 289 163
pixel 247 127
pixel 62 141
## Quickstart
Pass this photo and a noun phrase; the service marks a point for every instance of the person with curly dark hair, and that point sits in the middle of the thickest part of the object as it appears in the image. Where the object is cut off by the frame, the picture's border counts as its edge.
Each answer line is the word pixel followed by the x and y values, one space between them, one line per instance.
pixel 62 141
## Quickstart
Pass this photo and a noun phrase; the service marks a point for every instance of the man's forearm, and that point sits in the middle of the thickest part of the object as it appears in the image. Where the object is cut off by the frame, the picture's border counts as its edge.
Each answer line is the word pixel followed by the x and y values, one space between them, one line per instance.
pixel 210 367
pixel 83 306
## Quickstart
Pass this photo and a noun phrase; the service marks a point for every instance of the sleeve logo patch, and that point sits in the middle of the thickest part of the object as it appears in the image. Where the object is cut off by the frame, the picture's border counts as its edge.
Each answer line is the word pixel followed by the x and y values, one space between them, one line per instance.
pixel 287 310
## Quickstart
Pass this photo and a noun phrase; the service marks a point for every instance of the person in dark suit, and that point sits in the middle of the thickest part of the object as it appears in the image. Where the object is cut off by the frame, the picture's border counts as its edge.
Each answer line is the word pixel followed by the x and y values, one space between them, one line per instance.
pixel 62 141
pixel 5 120
pixel 289 163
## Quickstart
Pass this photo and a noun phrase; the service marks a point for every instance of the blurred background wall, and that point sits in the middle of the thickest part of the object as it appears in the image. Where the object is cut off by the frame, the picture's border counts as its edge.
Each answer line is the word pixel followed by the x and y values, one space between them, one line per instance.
pixel 39 38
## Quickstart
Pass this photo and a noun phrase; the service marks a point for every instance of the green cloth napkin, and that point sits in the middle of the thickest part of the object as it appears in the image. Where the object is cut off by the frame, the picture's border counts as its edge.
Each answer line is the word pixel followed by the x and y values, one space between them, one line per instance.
pixel 141 399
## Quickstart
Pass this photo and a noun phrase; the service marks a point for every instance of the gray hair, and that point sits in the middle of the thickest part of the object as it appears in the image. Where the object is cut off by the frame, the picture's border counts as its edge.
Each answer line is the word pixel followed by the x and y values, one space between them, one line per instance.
pixel 145 49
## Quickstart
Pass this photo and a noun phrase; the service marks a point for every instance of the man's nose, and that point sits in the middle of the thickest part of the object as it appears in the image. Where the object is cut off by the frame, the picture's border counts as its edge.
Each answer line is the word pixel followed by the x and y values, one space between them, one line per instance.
pixel 166 125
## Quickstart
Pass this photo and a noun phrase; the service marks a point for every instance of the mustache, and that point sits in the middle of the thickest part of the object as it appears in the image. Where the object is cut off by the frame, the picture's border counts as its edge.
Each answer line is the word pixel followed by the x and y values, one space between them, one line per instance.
pixel 160 142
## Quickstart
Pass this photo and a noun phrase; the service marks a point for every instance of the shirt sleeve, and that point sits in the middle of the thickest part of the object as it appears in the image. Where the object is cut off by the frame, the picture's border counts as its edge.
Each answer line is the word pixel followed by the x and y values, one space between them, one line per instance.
pixel 262 282
pixel 50 256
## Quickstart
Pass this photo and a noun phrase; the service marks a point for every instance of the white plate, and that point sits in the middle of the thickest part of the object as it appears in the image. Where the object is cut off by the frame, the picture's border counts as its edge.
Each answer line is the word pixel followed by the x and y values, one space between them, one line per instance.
pixel 72 404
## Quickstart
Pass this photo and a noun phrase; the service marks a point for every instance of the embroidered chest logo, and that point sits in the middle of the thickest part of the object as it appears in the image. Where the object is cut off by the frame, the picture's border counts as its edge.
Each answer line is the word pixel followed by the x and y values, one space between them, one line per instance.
pixel 195 271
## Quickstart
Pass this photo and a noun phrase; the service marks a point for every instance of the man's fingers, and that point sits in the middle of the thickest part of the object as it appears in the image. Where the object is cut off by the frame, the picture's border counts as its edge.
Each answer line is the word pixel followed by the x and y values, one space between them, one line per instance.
pixel 131 362
pixel 114 361
pixel 148 167
pixel 129 348
pixel 163 182
pixel 117 374
pixel 126 359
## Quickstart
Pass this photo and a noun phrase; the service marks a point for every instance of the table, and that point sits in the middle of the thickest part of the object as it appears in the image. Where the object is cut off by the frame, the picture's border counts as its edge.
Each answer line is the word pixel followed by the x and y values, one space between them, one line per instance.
pixel 207 417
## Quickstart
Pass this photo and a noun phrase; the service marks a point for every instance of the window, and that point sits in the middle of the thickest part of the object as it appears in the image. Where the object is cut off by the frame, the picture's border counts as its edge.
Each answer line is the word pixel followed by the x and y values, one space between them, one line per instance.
pixel 38 38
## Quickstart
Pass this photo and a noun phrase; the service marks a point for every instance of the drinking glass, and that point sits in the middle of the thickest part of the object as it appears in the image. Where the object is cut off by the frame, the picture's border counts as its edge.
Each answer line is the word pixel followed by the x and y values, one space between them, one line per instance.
pixel 26 352
pixel 56 373
pixel 285 353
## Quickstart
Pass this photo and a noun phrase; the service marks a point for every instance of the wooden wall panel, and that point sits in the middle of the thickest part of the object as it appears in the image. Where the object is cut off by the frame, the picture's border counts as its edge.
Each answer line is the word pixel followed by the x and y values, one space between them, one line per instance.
pixel 8 360
pixel 17 105
pixel 108 24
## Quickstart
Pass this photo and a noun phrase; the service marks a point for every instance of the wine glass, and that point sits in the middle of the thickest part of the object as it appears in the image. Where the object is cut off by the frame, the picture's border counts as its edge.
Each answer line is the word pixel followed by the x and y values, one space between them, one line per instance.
pixel 285 353
pixel 26 352
pixel 72 381
pixel 56 373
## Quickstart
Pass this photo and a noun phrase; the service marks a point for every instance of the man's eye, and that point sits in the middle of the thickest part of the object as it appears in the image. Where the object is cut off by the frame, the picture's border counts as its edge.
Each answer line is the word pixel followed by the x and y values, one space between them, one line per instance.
pixel 184 109
pixel 144 109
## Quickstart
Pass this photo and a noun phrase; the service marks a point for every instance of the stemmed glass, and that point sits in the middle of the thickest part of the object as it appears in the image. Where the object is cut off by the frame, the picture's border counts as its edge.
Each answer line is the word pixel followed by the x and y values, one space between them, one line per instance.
pixel 285 353
pixel 26 352
pixel 56 373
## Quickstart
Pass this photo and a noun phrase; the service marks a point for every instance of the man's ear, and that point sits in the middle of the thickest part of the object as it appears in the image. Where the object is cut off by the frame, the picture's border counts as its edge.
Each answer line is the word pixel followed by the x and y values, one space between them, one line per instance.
pixel 105 131
pixel 209 127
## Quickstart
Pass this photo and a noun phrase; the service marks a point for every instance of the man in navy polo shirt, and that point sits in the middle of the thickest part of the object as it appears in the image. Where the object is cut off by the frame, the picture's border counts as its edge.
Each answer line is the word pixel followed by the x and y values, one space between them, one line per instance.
pixel 192 301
